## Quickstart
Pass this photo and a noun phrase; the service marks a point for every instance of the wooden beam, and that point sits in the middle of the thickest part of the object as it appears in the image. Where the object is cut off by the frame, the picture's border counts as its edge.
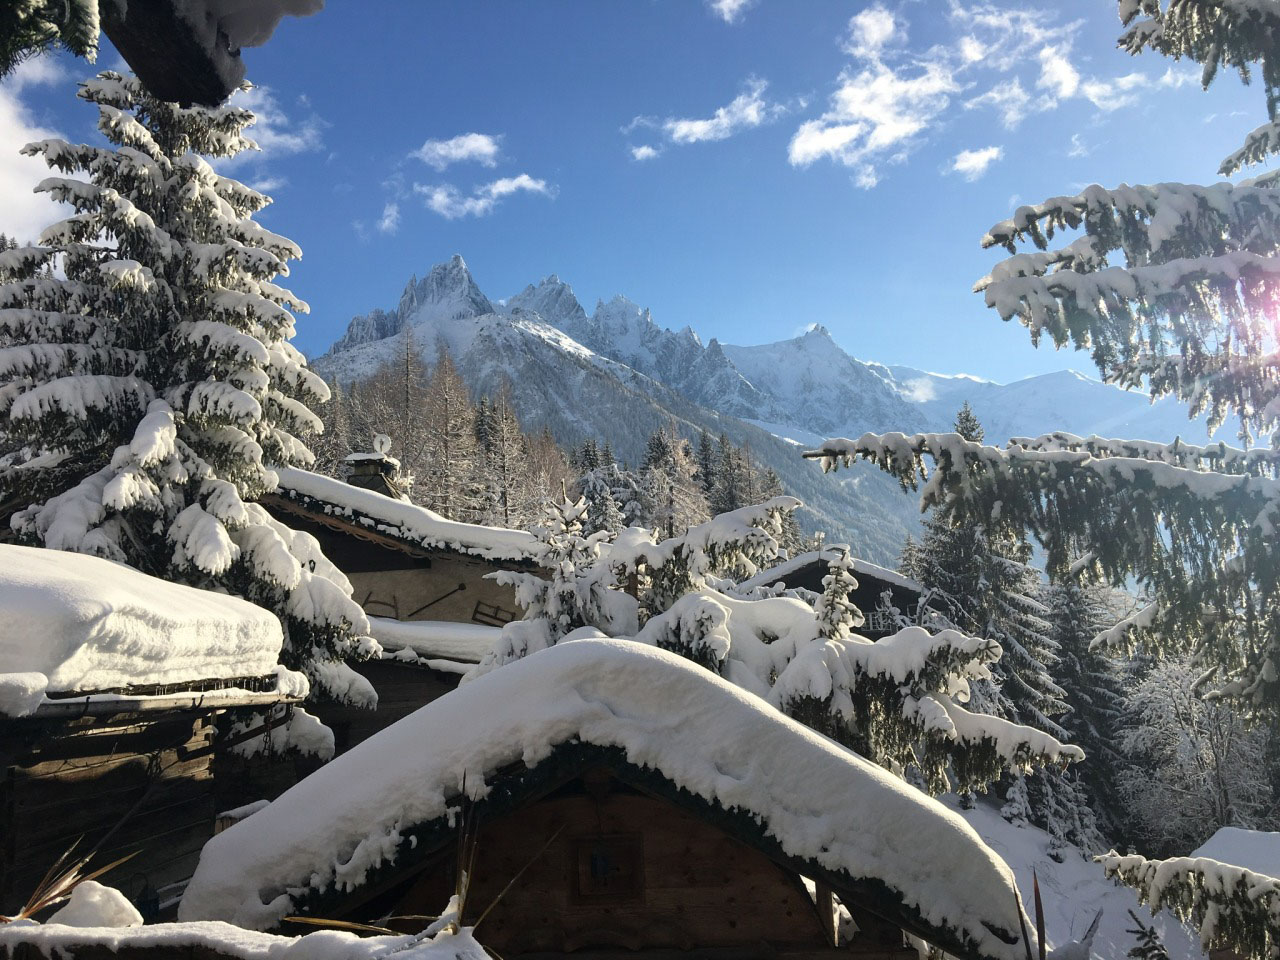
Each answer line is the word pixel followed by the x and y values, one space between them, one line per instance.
pixel 826 907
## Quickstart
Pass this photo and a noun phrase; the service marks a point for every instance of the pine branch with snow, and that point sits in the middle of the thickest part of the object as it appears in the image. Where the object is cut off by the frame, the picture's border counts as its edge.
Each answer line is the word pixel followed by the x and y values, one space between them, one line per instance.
pixel 1192 524
pixel 146 393
pixel 1233 908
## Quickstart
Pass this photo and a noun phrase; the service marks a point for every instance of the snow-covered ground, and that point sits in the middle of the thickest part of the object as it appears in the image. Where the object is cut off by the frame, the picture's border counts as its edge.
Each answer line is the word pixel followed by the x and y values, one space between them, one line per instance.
pixel 1073 891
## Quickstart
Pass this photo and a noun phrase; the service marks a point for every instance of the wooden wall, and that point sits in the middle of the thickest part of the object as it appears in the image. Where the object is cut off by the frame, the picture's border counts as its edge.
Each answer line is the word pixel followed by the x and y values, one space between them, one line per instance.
pixel 402 689
pixel 390 582
pixel 67 779
pixel 629 872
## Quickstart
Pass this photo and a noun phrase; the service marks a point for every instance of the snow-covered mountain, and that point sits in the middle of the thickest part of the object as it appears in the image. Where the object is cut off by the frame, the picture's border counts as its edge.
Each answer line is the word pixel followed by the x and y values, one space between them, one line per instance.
pixel 562 383
pixel 616 374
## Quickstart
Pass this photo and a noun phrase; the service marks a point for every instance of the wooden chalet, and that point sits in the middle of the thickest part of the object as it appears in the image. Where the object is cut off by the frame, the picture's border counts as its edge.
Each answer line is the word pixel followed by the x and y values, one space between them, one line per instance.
pixel 630 804
pixel 421 578
pixel 112 688
pixel 878 593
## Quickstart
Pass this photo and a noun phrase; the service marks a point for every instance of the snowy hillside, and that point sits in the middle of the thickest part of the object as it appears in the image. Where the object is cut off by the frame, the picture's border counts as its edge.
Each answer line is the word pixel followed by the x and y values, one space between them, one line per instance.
pixel 1073 891
pixel 616 374
pixel 1066 400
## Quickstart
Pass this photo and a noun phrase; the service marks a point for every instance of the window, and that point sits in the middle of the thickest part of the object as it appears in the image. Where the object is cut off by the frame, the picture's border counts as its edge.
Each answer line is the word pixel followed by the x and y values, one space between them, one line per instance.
pixel 608 869
pixel 492 614
pixel 879 621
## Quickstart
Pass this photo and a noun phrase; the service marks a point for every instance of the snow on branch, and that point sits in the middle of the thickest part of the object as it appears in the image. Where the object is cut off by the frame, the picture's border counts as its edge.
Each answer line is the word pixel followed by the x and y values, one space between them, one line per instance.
pixel 1232 907
pixel 1194 525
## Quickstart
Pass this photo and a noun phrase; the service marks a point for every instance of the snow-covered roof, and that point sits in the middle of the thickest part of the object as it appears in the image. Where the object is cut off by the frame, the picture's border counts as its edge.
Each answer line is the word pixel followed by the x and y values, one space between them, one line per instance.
pixel 213 939
pixel 821 804
pixel 71 623
pixel 435 639
pixel 1254 850
pixel 401 520
pixel 801 560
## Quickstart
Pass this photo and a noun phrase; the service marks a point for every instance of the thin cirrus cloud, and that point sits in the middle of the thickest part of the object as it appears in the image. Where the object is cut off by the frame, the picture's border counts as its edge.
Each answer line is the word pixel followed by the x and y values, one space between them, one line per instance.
pixel 390 219
pixel 276 133
pixel 748 110
pixel 890 98
pixel 479 148
pixel 452 204
pixel 730 11
pixel 971 164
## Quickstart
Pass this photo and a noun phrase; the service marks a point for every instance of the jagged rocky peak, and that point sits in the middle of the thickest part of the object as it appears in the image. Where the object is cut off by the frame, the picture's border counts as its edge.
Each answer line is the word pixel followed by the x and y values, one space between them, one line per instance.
pixel 446 284
pixel 620 316
pixel 446 292
pixel 554 301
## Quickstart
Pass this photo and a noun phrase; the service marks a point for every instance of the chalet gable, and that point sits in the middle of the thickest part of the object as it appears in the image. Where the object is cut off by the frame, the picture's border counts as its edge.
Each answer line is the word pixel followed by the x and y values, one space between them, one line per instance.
pixel 659 725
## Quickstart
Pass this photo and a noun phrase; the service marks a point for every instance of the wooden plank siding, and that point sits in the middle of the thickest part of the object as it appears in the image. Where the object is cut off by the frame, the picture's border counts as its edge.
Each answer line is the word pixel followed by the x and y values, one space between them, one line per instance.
pixel 402 689
pixel 691 887
pixel 130 782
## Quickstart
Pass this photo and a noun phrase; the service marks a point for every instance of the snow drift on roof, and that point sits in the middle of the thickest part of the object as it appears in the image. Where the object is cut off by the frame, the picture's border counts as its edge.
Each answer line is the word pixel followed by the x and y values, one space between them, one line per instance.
pixel 402 520
pixel 74 623
pixel 701 733
pixel 801 560
pixel 1257 851
pixel 443 639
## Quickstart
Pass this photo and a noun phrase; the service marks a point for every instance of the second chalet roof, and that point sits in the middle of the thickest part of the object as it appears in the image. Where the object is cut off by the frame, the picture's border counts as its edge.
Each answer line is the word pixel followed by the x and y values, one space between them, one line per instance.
pixel 823 806
pixel 73 625
pixel 1257 851
pixel 406 522
pixel 802 560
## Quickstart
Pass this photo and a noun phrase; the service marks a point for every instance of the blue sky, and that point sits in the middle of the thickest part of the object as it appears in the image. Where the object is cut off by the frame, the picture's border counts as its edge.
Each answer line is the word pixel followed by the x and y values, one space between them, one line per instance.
pixel 744 168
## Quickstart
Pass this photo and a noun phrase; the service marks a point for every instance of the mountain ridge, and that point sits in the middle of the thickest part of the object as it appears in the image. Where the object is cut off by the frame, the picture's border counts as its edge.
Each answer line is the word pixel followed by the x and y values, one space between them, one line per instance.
pixel 617 374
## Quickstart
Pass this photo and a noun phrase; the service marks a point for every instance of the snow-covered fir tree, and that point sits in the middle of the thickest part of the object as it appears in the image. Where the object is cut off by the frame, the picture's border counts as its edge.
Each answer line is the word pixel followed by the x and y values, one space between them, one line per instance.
pixel 1171 287
pixel 729 488
pixel 500 454
pixel 977 580
pixel 449 444
pixel 674 495
pixel 1094 694
pixel 836 613
pixel 31 27
pixel 899 701
pixel 148 385
pixel 572 592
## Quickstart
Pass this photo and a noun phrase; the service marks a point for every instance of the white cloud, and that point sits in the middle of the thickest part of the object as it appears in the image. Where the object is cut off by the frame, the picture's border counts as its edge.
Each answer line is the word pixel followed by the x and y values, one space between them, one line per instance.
pixel 729 10
pixel 390 219
pixel 1009 100
pixel 23 214
pixel 892 97
pixel 274 132
pixel 268 184
pixel 1078 147
pixel 869 32
pixel 1057 75
pixel 480 147
pixel 1108 95
pixel 643 152
pixel 875 112
pixel 971 164
pixel 749 109
pixel 448 201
